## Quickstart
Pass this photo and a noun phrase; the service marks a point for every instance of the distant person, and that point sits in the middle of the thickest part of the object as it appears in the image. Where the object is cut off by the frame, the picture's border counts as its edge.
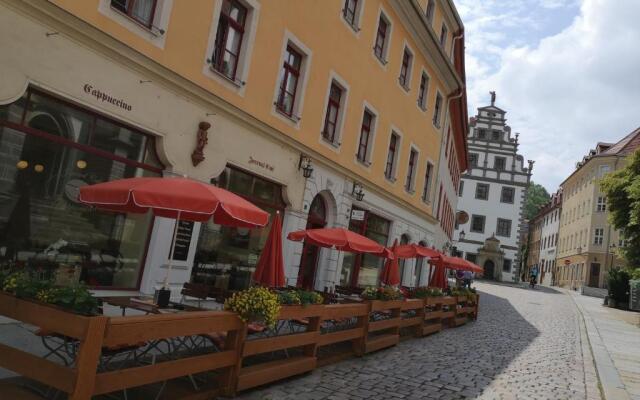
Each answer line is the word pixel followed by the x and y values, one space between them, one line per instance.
pixel 460 278
pixel 467 278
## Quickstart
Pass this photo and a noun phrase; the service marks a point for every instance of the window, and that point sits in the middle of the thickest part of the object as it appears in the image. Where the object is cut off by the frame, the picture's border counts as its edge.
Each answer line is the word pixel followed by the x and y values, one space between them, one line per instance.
pixel 405 69
pixel 495 135
pixel 599 235
pixel 428 178
pixel 423 91
pixel 507 195
pixel 603 170
pixel 413 160
pixel 141 11
pixel 473 159
pixel 45 155
pixel 443 36
pixel 380 46
pixel 506 265
pixel 504 227
pixel 437 110
pixel 482 134
pixel 365 136
pixel 499 163
pixel 229 37
pixel 349 12
pixel 477 223
pixel 290 76
pixel 602 204
pixel 482 191
pixel 431 6
pixel 333 111
pixel 389 169
pixel 460 189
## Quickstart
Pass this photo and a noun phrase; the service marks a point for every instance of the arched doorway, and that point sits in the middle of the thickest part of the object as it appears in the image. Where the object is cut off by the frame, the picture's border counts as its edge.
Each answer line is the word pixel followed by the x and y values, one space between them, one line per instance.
pixel 309 261
pixel 489 267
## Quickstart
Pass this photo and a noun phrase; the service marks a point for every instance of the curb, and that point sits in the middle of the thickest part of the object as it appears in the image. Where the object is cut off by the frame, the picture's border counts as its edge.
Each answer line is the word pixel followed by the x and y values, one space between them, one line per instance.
pixel 609 382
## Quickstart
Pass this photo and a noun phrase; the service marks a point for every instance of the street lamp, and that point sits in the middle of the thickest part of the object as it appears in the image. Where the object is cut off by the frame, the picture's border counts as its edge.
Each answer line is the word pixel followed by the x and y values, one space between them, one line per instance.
pixel 461 236
pixel 357 191
pixel 305 165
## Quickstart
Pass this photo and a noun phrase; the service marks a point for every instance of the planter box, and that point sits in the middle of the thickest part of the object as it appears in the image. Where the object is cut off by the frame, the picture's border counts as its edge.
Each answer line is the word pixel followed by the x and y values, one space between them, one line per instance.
pixel 390 326
pixel 433 301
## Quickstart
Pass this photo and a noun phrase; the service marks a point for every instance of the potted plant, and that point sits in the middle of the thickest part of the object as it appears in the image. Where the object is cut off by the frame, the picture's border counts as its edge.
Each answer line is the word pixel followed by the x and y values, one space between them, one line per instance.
pixel 256 304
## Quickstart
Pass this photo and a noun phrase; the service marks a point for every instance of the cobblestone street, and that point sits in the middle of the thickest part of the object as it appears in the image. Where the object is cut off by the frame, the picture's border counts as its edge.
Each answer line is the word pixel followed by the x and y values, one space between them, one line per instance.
pixel 526 344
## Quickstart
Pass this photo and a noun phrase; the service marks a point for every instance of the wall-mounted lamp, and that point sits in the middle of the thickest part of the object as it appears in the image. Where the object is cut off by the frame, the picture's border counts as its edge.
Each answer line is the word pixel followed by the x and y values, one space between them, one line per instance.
pixel 357 191
pixel 461 235
pixel 305 165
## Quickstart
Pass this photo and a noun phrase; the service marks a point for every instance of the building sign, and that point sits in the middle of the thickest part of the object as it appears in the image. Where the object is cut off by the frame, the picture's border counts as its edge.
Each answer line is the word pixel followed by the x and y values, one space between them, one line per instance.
pixel 106 97
pixel 261 164
pixel 357 215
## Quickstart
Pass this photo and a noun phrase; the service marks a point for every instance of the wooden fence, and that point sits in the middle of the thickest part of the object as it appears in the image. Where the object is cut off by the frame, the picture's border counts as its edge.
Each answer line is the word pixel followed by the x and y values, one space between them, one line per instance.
pixel 371 326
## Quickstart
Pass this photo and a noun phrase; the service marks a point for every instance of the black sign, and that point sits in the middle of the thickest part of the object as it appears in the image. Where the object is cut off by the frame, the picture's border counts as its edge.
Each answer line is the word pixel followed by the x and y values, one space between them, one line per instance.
pixel 183 241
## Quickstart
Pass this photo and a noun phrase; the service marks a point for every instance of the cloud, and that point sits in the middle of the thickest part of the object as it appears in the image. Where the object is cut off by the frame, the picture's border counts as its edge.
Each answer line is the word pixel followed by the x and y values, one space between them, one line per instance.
pixel 567 90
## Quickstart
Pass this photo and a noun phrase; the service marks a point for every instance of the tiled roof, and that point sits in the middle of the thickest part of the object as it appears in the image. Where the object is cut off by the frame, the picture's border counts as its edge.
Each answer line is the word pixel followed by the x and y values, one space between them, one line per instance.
pixel 625 146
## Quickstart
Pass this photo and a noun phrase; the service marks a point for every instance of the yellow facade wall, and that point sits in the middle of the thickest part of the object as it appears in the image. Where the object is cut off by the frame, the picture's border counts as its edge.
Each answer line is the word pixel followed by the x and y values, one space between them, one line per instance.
pixel 335 47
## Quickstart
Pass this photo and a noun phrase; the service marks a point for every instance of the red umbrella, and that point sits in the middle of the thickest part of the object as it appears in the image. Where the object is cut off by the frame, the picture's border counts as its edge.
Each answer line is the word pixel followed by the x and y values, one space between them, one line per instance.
pixel 413 250
pixel 178 198
pixel 341 239
pixel 391 272
pixel 270 268
pixel 439 278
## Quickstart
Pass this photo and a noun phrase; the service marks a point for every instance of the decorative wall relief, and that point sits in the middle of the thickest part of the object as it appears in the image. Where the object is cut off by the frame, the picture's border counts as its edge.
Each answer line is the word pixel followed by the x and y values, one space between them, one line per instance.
pixel 198 154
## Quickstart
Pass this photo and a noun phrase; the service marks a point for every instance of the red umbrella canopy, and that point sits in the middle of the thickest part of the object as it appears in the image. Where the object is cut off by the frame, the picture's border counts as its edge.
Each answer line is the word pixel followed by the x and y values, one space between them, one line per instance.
pixel 182 198
pixel 342 239
pixel 270 268
pixel 458 263
pixel 413 250
pixel 439 278
pixel 391 272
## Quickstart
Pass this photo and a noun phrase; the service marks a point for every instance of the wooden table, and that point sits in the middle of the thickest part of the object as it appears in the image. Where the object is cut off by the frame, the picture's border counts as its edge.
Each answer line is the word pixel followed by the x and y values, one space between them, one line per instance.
pixel 145 305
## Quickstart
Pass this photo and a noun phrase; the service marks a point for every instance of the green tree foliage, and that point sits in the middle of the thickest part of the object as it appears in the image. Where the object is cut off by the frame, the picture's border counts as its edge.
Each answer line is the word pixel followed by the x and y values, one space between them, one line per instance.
pixel 622 189
pixel 537 196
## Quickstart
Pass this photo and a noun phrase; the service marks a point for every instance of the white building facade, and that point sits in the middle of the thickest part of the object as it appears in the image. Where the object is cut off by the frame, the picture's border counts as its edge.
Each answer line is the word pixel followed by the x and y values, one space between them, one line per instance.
pixel 549 239
pixel 491 196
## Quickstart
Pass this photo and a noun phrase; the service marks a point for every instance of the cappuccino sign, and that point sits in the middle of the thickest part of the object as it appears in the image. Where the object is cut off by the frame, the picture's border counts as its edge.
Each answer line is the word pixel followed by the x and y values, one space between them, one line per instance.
pixel 102 96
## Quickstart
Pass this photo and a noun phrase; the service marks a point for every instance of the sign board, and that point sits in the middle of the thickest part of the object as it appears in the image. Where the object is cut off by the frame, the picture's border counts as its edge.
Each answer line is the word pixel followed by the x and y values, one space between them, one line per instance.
pixel 462 217
pixel 183 240
pixel 567 262
pixel 357 215
pixel 634 298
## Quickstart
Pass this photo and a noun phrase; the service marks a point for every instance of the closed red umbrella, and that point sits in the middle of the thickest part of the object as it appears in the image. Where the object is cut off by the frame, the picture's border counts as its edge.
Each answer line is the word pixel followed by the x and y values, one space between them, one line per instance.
pixel 340 239
pixel 178 198
pixel 439 278
pixel 270 268
pixel 391 272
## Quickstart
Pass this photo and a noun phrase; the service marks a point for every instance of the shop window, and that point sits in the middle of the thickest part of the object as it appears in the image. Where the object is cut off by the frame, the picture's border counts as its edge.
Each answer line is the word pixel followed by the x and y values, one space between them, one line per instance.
pixel 364 269
pixel 504 227
pixel 381 44
pixel 405 69
pixel 423 91
pixel 411 170
pixel 482 191
pixel 428 182
pixel 289 81
pixel 141 11
pixel 45 156
pixel 366 132
pixel 229 38
pixel 507 194
pixel 390 168
pixel 437 110
pixel 226 256
pixel 334 113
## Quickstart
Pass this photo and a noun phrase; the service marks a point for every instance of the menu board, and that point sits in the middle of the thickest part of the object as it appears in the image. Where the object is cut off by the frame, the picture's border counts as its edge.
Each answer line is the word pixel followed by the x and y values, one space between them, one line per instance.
pixel 183 241
pixel 634 298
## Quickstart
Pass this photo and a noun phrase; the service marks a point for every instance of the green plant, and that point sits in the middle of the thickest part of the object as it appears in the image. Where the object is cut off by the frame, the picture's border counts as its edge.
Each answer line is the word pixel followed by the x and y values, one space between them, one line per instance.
pixel 424 292
pixel 289 297
pixel 310 297
pixel 385 293
pixel 463 292
pixel 256 304
pixel 635 274
pixel 618 283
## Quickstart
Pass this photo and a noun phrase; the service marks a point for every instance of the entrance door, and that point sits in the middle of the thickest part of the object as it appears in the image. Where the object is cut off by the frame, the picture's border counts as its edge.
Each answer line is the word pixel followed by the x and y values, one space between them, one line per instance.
pixel 594 276
pixel 309 261
pixel 489 266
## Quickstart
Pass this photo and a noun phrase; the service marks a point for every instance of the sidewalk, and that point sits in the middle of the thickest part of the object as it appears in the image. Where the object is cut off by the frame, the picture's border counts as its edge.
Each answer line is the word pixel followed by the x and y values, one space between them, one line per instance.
pixel 614 336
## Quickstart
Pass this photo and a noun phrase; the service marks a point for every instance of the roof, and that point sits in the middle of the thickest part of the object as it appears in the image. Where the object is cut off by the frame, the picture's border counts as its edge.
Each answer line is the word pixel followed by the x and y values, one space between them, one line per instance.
pixel 627 145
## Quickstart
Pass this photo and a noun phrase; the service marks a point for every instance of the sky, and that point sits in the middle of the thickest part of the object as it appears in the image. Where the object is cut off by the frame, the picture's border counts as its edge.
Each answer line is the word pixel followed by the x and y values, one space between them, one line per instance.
pixel 566 71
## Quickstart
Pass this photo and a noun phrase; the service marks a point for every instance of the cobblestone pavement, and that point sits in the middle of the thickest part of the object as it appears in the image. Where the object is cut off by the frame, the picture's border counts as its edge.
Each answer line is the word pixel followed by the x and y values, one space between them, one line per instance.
pixel 526 344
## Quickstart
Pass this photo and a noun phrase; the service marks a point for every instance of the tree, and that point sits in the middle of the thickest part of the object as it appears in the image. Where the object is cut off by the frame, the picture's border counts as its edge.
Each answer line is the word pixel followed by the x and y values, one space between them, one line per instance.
pixel 537 196
pixel 622 189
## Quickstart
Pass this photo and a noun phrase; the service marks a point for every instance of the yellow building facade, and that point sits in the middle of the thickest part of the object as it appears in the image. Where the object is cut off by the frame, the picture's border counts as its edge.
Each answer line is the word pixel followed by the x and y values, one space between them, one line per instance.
pixel 333 113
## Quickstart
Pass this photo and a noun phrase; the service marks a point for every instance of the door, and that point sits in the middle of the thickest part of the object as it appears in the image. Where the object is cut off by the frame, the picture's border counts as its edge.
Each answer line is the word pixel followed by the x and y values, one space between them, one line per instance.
pixel 309 261
pixel 594 276
pixel 489 266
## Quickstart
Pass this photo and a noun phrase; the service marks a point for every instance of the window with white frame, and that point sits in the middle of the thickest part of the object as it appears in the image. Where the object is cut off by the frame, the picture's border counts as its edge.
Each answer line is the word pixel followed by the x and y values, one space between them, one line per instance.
pixel 602 204
pixel 598 236
pixel 366 137
pixel 350 12
pixel 334 113
pixel 290 80
pixel 428 178
pixel 411 170
pixel 392 155
pixel 423 91
pixel 381 43
pixel 437 110
pixel 443 35
pixel 405 69
pixel 603 170
pixel 229 38
pixel 431 7
pixel 141 11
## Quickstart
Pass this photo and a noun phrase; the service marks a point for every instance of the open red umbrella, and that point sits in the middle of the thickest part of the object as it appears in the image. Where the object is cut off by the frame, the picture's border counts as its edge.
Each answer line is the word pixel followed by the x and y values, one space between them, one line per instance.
pixel 178 198
pixel 340 239
pixel 391 272
pixel 414 250
pixel 270 268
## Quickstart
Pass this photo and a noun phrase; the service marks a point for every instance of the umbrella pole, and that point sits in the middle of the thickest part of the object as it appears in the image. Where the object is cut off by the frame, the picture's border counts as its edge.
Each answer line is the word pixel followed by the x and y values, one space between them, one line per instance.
pixel 173 246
